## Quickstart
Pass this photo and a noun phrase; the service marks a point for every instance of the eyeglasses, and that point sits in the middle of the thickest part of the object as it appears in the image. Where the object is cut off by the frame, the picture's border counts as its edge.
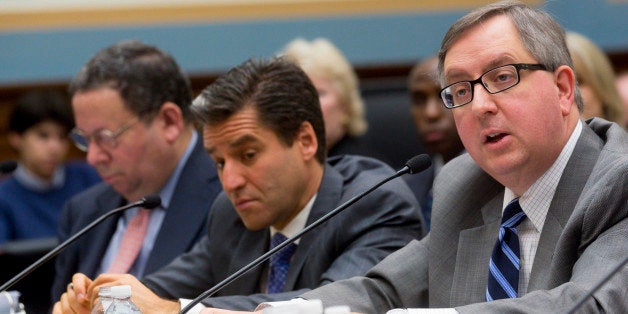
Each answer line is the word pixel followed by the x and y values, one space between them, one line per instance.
pixel 102 137
pixel 494 81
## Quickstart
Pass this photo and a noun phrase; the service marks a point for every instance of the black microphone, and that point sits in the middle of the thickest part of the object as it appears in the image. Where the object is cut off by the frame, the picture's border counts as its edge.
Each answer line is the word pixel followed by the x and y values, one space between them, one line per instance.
pixel 7 166
pixel 148 202
pixel 598 286
pixel 415 165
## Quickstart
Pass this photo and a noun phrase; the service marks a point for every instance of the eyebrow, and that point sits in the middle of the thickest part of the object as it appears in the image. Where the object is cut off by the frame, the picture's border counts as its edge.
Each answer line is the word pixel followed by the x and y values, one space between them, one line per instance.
pixel 457 74
pixel 241 141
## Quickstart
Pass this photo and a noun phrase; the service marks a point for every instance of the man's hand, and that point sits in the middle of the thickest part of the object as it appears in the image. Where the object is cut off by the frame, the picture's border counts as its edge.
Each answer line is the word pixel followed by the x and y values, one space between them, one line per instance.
pixel 147 301
pixel 76 298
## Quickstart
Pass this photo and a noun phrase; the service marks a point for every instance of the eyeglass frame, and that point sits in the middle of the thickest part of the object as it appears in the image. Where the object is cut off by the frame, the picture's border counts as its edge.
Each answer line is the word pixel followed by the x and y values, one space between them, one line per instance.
pixel 518 67
pixel 100 136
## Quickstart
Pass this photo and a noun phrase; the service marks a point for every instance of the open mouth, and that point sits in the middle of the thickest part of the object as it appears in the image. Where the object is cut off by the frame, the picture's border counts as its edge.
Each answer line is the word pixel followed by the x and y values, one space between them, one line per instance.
pixel 493 138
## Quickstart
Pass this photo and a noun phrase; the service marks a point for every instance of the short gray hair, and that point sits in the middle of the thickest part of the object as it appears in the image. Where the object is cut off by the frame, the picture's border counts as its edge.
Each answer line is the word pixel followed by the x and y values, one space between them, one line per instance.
pixel 540 34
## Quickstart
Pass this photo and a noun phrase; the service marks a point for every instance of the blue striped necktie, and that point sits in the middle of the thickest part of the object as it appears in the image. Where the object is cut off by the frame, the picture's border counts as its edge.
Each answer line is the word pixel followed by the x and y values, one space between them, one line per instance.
pixel 279 263
pixel 503 275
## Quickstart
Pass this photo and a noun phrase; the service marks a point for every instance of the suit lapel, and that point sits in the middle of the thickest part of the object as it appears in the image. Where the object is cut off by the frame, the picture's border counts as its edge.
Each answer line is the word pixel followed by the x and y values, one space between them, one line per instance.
pixel 94 248
pixel 188 207
pixel 569 188
pixel 327 198
pixel 252 246
pixel 474 251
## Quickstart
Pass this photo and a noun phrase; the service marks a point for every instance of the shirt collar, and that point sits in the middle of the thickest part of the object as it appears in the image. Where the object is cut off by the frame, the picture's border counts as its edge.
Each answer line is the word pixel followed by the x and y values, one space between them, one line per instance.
pixel 535 202
pixel 35 183
pixel 297 223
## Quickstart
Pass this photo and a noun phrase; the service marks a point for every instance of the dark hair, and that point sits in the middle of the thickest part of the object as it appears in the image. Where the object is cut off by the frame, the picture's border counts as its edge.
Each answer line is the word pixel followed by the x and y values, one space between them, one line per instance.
pixel 540 34
pixel 279 91
pixel 38 106
pixel 145 76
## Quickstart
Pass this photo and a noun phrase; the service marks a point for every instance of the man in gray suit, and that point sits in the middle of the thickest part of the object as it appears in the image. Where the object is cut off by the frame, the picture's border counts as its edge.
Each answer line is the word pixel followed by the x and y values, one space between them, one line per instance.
pixel 263 127
pixel 510 85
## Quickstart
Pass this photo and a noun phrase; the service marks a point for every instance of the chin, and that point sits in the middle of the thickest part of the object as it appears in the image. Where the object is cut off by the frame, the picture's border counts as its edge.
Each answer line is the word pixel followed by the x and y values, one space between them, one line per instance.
pixel 254 225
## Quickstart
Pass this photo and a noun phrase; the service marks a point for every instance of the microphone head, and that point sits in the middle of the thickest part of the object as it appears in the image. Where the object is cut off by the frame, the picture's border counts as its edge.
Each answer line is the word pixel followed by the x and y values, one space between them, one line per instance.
pixel 151 201
pixel 419 163
pixel 8 166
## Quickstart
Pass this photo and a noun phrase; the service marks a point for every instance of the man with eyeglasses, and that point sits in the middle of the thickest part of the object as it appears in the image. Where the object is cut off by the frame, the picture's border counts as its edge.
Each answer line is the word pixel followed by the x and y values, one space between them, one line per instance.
pixel 131 104
pixel 533 216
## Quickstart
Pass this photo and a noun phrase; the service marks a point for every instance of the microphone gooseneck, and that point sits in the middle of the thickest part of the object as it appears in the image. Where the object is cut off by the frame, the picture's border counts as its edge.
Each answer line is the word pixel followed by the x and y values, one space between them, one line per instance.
pixel 148 202
pixel 414 165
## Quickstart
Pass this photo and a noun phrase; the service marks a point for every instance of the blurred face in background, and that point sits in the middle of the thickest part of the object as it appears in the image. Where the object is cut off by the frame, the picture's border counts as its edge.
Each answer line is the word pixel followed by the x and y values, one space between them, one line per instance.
pixel 434 122
pixel 593 106
pixel 335 113
pixel 622 88
pixel 42 148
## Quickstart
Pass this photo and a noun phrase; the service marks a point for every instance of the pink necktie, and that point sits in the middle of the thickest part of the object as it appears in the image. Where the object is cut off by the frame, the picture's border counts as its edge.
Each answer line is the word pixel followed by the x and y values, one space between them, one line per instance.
pixel 131 243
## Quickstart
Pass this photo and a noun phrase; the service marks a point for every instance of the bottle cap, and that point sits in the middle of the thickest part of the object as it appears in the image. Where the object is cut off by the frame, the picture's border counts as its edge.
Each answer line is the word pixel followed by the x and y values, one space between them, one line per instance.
pixel 104 291
pixel 123 291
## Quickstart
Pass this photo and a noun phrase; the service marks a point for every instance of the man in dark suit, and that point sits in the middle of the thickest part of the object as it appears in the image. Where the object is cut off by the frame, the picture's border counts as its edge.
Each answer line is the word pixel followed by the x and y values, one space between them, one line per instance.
pixel 263 127
pixel 131 103
pixel 510 84
pixel 436 129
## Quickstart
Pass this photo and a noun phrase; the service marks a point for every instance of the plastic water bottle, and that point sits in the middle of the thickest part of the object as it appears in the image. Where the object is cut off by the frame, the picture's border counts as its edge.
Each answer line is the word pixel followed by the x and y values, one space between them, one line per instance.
pixel 104 300
pixel 121 301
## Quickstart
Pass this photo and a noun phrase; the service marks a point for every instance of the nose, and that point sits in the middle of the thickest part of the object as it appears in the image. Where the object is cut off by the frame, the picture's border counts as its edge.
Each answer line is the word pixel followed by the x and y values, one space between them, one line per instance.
pixel 433 108
pixel 96 155
pixel 232 177
pixel 57 144
pixel 482 102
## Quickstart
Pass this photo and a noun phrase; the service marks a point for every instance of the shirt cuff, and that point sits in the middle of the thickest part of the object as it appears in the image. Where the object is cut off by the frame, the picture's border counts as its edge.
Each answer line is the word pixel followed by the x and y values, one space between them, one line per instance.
pixel 195 309
pixel 423 311
pixel 264 305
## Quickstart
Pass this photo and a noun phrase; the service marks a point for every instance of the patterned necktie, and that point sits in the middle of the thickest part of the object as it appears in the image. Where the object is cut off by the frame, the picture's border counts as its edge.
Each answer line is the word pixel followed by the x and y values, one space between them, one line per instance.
pixel 503 276
pixel 279 263
pixel 131 243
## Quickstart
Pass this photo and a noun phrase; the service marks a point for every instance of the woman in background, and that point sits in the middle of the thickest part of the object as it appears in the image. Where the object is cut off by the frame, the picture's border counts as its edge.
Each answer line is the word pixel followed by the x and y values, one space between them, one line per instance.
pixel 339 95
pixel 596 79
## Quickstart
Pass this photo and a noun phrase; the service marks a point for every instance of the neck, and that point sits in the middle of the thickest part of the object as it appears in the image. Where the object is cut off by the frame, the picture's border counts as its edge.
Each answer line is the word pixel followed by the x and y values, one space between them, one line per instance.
pixel 310 189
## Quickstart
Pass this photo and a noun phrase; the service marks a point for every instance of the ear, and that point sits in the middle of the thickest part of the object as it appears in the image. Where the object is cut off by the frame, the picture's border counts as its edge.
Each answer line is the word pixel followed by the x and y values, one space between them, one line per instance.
pixel 15 140
pixel 566 85
pixel 170 119
pixel 306 141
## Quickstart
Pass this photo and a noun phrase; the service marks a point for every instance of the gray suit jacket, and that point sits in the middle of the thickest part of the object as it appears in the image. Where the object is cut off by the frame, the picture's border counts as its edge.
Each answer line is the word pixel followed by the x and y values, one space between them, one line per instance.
pixel 585 235
pixel 345 246
pixel 183 226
